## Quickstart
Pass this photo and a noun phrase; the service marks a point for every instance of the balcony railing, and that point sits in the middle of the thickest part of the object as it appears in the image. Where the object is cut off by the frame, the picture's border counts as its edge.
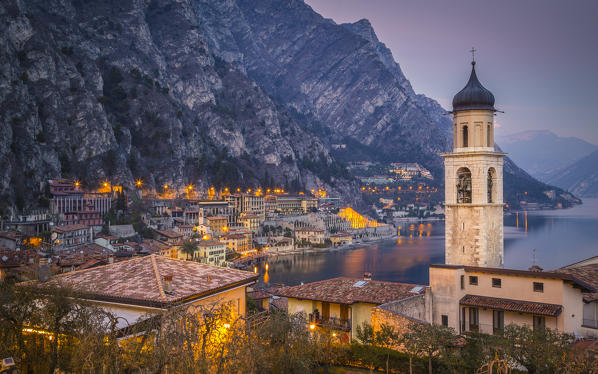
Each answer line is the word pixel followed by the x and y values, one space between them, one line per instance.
pixel 591 323
pixel 334 323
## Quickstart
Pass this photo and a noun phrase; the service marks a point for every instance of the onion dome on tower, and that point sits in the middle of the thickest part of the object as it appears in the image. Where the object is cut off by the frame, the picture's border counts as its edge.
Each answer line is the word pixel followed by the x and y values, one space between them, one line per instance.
pixel 473 96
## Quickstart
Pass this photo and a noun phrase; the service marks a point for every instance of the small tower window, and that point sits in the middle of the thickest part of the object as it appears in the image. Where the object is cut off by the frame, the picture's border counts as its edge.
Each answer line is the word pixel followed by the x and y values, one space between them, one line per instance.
pixel 463 186
pixel 465 136
pixel 491 192
pixel 489 136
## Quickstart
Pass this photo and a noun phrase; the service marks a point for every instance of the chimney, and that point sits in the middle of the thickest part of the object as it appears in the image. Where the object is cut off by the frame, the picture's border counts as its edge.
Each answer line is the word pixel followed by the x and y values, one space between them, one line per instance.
pixel 167 283
pixel 367 276
pixel 43 269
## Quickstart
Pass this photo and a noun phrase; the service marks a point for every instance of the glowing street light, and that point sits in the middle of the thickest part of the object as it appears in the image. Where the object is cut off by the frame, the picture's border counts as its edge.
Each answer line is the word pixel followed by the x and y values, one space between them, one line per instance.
pixel 227 326
pixel 312 326
pixel 165 186
pixel 139 183
pixel 77 184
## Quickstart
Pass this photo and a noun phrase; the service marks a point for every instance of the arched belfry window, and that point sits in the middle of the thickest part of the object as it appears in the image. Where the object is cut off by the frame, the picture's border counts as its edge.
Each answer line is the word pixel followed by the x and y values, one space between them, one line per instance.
pixel 491 185
pixel 463 186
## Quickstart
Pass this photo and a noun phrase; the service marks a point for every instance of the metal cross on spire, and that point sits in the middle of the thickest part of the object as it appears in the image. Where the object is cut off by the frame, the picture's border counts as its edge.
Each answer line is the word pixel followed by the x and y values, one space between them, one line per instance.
pixel 473 51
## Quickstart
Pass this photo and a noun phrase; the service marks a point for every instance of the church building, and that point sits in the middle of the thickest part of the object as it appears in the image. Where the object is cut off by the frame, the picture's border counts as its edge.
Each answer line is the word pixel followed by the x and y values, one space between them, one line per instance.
pixel 472 291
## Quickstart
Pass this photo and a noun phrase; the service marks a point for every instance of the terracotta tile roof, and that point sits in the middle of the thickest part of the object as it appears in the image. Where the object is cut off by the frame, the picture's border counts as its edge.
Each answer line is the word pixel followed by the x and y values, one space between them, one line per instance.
pixel 509 305
pixel 169 234
pixel 69 228
pixel 140 281
pixel 584 286
pixel 350 290
pixel 588 274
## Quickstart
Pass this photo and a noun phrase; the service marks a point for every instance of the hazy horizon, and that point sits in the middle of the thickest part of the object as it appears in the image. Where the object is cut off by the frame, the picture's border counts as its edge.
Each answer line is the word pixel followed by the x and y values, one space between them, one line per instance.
pixel 539 58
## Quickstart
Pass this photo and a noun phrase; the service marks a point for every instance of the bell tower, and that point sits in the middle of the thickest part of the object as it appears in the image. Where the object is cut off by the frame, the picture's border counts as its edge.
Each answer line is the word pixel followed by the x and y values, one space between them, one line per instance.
pixel 473 175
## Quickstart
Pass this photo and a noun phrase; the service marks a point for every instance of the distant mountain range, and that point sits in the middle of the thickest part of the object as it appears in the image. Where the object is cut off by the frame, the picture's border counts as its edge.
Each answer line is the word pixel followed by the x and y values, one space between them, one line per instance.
pixel 580 178
pixel 566 162
pixel 542 152
pixel 210 92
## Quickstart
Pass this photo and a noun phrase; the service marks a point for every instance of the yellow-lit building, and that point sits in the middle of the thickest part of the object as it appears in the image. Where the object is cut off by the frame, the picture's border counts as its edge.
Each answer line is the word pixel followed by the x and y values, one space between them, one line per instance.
pixel 133 290
pixel 341 238
pixel 250 222
pixel 342 304
pixel 218 225
pixel 236 242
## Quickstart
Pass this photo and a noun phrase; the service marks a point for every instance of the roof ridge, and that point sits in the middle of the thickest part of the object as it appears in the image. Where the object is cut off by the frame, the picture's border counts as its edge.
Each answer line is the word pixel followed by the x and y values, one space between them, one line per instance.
pixel 61 275
pixel 158 278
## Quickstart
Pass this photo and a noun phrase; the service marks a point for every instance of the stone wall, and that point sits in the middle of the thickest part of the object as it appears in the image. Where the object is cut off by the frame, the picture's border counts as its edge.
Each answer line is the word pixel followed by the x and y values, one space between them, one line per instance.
pixel 399 314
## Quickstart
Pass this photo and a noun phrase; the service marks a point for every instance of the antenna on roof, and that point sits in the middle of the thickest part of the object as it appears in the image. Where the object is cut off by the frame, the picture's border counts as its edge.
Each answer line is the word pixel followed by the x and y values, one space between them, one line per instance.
pixel 534 257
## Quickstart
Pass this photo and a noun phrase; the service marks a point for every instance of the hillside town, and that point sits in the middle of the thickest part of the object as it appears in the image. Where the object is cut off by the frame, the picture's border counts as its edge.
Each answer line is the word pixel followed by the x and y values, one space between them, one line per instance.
pixel 85 228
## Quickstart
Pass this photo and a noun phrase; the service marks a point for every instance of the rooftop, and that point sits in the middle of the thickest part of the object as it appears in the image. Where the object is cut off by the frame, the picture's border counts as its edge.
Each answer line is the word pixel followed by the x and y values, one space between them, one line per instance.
pixel 585 287
pixel 588 274
pixel 69 228
pixel 169 234
pixel 509 305
pixel 351 290
pixel 140 281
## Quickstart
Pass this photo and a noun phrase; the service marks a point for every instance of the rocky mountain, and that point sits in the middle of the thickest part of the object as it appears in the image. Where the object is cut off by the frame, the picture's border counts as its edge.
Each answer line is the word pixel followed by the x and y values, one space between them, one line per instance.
pixel 542 153
pixel 122 90
pixel 240 92
pixel 580 178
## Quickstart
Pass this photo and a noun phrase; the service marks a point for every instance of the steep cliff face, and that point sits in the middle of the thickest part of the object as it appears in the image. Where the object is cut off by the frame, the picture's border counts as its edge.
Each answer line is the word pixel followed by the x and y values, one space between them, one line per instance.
pixel 224 92
pixel 339 77
pixel 126 90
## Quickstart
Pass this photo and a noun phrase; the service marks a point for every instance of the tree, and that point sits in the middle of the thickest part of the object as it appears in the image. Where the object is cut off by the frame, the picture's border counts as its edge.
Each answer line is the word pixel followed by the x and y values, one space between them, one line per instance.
pixel 189 248
pixel 428 340
pixel 538 350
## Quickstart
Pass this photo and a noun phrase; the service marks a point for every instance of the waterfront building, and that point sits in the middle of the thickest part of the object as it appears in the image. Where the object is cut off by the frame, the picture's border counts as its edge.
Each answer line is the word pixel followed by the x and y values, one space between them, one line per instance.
pixel 341 238
pixel 309 235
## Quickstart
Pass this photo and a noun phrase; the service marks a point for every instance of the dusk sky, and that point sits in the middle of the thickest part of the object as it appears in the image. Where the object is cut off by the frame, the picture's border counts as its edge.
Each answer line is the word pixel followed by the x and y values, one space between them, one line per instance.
pixel 539 58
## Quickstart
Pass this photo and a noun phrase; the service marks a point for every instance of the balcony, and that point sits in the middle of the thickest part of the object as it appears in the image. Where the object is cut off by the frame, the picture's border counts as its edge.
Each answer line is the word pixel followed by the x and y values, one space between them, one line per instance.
pixel 333 323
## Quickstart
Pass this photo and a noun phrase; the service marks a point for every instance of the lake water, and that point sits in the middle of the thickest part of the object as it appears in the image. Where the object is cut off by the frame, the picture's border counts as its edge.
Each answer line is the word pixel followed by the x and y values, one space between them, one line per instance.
pixel 559 237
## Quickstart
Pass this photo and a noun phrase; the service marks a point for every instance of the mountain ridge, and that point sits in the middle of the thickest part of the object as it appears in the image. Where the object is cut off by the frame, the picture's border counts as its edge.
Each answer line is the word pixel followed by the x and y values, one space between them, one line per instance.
pixel 202 91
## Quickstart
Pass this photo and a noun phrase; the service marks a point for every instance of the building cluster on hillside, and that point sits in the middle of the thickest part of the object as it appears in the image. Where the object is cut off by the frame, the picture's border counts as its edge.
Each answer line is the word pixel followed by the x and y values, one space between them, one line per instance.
pixel 217 230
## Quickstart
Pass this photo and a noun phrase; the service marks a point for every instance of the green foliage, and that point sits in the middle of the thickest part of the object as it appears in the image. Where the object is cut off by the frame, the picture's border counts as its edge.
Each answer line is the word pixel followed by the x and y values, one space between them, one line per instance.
pixel 428 340
pixel 539 351
pixel 189 248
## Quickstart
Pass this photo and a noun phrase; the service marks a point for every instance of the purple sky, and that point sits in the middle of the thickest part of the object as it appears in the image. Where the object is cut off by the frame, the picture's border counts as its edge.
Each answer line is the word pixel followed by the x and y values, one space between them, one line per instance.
pixel 538 57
